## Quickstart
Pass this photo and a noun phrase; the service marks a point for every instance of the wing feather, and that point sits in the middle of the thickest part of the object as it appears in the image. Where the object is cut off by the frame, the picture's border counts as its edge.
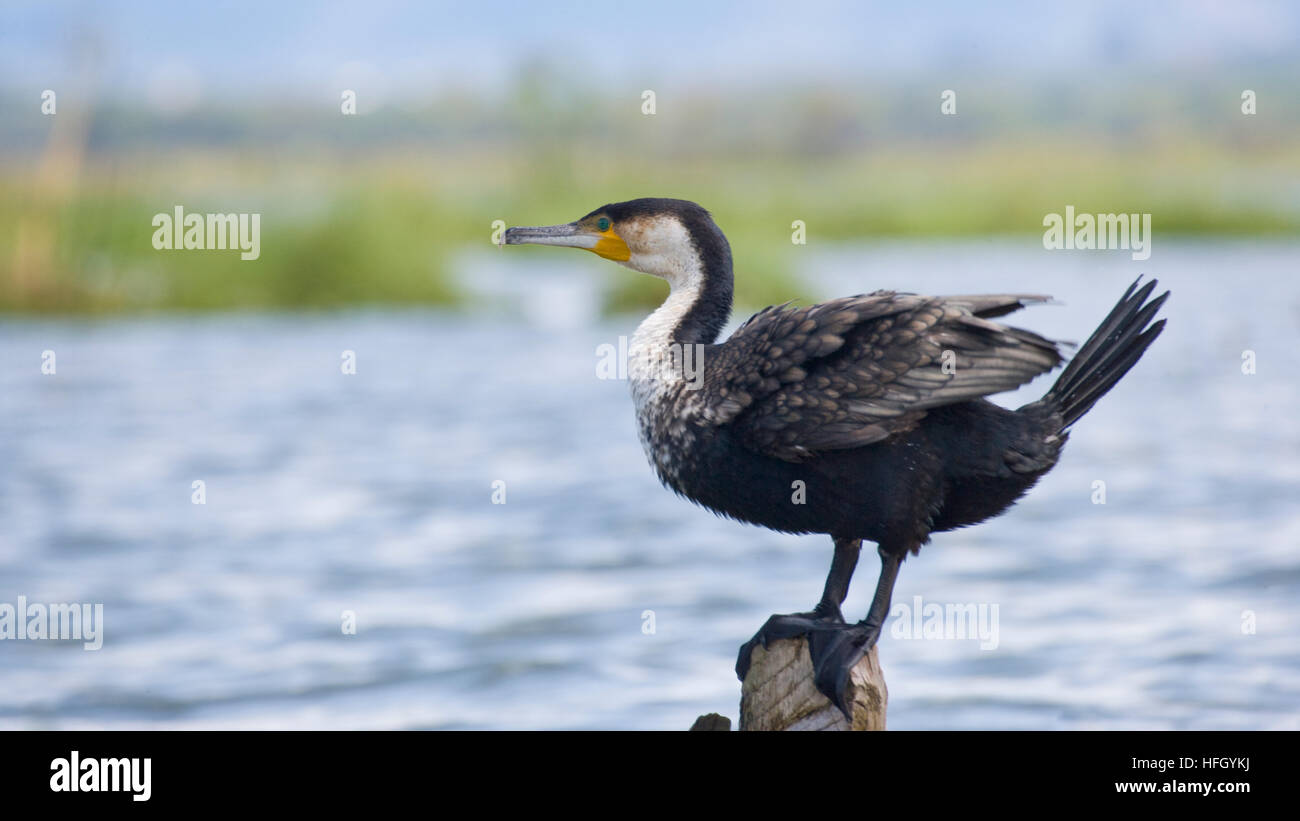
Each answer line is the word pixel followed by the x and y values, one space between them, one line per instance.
pixel 853 371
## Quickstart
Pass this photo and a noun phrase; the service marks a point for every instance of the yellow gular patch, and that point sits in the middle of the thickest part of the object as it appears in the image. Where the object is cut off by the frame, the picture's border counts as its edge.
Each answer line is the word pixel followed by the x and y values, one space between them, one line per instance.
pixel 612 246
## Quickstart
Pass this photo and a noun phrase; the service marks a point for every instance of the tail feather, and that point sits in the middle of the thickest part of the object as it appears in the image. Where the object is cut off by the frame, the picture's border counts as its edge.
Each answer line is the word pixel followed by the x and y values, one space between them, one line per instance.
pixel 1116 345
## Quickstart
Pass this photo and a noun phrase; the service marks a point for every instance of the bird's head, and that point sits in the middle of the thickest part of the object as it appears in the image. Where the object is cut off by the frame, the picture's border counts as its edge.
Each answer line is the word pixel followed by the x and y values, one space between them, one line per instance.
pixel 673 239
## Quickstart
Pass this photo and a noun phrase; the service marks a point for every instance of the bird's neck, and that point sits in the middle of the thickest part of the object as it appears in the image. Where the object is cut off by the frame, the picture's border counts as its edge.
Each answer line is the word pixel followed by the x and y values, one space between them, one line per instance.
pixel 696 312
pixel 667 351
pixel 699 302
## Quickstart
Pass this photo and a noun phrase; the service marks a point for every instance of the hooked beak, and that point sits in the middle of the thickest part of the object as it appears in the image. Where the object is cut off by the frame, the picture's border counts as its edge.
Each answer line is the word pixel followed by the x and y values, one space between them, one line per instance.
pixel 569 235
pixel 607 244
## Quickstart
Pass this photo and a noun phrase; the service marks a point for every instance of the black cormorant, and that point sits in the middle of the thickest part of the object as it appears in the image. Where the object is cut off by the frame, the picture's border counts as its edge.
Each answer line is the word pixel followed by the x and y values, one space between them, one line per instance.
pixel 875 403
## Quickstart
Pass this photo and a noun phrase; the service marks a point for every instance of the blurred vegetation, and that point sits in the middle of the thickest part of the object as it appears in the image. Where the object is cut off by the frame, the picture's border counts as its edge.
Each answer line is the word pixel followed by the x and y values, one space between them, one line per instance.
pixel 372 209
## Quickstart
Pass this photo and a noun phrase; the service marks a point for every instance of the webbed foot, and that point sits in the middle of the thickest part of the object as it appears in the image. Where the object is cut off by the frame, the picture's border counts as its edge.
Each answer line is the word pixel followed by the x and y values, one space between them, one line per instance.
pixel 835 648
pixel 789 626
pixel 834 655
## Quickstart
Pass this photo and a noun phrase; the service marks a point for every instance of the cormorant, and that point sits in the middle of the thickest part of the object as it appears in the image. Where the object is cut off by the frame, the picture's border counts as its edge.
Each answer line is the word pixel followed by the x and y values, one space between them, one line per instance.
pixel 875 403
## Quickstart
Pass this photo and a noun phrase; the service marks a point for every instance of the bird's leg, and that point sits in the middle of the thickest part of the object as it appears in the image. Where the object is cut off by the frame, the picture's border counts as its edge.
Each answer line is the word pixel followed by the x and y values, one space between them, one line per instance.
pixel 825 616
pixel 836 652
pixel 836 590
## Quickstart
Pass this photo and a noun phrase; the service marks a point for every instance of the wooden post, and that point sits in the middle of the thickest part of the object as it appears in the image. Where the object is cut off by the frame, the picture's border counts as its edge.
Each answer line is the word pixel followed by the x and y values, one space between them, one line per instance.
pixel 779 694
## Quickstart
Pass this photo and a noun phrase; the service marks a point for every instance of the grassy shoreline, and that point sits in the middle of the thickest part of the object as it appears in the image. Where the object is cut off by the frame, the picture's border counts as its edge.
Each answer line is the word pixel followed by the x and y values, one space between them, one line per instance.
pixel 383 231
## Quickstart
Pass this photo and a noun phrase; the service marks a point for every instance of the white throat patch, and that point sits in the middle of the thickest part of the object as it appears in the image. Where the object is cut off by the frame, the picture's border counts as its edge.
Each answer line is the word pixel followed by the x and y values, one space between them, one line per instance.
pixel 673 257
pixel 676 260
pixel 659 369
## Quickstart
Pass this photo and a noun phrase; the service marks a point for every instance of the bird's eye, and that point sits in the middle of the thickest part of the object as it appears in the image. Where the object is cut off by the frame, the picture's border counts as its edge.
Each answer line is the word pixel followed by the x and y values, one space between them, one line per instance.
pixel 602 224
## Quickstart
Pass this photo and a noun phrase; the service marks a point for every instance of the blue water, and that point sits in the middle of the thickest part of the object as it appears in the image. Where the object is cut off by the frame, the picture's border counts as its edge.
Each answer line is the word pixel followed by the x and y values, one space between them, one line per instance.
pixel 373 493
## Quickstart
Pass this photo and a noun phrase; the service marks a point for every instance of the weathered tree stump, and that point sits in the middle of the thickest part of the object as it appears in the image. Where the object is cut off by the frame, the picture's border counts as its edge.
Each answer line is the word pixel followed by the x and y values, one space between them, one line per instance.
pixel 779 694
pixel 711 722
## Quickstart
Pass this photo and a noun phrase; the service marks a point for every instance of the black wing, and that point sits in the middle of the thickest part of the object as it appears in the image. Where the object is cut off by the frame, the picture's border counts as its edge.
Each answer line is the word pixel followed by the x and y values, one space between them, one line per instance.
pixel 853 371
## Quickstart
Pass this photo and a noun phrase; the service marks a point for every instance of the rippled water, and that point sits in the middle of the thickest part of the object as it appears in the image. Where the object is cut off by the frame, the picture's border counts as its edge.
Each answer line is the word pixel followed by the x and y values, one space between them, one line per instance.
pixel 372 493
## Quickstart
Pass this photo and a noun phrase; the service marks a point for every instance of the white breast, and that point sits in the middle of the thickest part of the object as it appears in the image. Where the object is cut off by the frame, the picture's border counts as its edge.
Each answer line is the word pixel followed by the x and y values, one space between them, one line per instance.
pixel 655 361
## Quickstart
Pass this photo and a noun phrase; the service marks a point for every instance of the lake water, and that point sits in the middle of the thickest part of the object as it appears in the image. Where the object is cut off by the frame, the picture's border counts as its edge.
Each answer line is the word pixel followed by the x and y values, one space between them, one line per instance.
pixel 1176 604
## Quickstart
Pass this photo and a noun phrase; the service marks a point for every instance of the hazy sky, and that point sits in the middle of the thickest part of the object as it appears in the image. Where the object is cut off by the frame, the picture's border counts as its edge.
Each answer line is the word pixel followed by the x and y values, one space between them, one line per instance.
pixel 165 50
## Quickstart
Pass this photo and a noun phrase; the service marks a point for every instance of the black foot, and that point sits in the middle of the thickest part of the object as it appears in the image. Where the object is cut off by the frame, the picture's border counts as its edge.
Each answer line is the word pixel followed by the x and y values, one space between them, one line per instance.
pixel 834 655
pixel 789 626
pixel 835 648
